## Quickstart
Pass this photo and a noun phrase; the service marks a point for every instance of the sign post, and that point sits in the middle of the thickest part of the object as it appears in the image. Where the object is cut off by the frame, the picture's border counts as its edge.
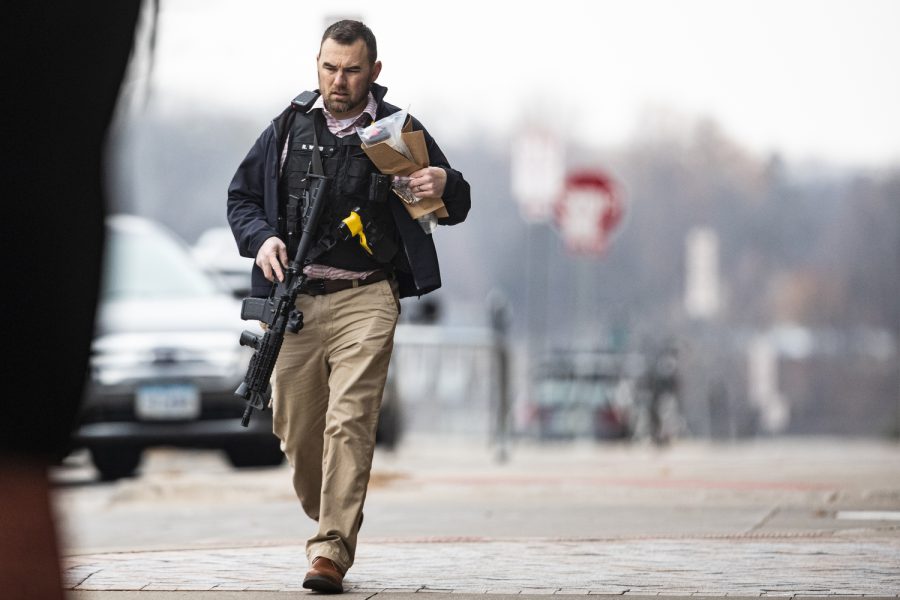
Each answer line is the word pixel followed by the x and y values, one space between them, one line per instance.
pixel 586 213
pixel 537 170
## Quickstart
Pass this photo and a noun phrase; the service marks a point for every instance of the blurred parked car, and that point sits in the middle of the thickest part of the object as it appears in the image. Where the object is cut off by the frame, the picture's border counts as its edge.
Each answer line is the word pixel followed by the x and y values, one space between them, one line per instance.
pixel 217 253
pixel 586 394
pixel 165 358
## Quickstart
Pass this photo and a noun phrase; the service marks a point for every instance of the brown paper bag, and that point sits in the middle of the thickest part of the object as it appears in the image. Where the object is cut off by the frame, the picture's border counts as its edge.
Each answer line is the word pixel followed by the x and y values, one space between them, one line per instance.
pixel 392 162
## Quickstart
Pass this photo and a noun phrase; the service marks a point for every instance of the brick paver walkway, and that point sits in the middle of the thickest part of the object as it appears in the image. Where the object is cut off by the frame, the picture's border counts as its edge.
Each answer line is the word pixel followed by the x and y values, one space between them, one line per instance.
pixel 815 565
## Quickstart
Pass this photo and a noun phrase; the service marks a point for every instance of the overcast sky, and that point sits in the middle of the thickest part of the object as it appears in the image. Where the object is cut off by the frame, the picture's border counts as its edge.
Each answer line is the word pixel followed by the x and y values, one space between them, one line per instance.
pixel 809 78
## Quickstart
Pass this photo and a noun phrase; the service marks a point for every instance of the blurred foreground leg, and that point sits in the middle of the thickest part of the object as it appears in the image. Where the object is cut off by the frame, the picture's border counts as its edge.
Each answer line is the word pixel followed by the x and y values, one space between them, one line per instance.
pixel 29 563
pixel 63 65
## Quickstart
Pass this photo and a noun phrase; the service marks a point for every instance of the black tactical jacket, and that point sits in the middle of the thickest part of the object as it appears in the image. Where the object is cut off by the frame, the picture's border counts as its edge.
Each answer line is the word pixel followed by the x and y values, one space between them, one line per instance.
pixel 255 207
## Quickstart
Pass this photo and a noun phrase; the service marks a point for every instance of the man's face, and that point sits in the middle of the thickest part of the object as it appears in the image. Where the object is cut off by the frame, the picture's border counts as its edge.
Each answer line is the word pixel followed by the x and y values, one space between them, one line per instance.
pixel 344 77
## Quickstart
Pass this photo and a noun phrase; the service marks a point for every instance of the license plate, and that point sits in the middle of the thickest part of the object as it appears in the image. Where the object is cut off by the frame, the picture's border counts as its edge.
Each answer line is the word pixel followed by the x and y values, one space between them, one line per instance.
pixel 167 402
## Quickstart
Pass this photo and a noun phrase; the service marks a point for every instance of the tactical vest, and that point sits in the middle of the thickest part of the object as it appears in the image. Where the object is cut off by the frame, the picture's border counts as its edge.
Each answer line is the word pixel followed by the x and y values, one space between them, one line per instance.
pixel 352 186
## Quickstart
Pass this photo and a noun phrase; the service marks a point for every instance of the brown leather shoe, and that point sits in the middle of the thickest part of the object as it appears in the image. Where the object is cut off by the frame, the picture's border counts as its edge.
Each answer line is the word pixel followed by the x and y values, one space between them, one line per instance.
pixel 324 576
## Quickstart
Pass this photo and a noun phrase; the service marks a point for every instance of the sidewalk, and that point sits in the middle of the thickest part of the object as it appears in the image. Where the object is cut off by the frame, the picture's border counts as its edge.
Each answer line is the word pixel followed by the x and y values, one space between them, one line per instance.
pixel 716 567
pixel 807 518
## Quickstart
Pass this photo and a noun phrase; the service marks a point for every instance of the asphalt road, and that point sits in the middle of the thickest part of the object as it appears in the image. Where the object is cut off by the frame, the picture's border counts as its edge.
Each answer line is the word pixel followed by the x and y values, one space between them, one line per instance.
pixel 457 488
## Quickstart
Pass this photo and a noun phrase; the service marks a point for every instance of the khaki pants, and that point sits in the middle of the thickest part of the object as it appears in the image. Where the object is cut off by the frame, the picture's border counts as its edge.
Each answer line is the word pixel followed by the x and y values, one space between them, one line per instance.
pixel 327 390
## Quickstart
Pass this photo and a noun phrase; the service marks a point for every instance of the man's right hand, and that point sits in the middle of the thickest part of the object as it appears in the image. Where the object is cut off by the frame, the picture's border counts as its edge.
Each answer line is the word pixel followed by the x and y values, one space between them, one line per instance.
pixel 272 258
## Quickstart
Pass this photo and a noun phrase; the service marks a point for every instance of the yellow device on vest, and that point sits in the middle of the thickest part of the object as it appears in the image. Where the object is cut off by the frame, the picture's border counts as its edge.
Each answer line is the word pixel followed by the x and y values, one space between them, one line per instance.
pixel 355 226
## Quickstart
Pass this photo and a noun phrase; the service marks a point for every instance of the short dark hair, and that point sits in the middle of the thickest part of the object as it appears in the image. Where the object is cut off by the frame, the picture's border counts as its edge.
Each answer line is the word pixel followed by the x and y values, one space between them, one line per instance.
pixel 346 32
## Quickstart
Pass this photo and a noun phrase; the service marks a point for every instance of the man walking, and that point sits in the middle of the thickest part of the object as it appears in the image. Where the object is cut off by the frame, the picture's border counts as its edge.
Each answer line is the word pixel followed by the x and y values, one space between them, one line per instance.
pixel 329 379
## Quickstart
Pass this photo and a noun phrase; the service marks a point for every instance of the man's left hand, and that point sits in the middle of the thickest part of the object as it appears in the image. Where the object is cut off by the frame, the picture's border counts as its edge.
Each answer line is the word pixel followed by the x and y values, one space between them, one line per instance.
pixel 428 182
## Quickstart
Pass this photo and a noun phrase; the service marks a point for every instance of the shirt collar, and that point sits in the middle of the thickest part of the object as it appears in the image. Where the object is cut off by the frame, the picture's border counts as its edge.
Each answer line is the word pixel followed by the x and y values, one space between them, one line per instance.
pixel 370 109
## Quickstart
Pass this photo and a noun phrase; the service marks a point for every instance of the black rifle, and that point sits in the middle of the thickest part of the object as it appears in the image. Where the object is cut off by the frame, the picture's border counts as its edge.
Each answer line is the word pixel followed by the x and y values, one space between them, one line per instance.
pixel 278 311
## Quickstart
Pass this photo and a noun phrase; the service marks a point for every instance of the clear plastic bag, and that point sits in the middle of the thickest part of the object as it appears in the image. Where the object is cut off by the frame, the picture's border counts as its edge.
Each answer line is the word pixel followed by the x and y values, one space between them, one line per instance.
pixel 400 186
pixel 428 222
pixel 388 129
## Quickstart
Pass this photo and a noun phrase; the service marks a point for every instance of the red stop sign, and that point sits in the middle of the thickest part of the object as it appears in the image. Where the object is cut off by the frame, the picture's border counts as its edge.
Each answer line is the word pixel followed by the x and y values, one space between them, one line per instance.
pixel 587 211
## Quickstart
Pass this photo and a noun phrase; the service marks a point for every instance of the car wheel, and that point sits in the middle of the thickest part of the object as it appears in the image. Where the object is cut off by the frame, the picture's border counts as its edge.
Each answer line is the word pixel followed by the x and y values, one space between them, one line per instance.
pixel 115 462
pixel 387 433
pixel 264 453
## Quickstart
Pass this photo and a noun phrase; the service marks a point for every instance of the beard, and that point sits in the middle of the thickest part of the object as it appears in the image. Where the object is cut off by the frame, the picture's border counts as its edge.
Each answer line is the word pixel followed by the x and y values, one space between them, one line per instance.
pixel 346 104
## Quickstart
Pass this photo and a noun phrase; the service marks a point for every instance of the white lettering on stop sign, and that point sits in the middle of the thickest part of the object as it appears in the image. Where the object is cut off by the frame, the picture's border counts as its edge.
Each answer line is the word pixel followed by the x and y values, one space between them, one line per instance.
pixel 587 212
